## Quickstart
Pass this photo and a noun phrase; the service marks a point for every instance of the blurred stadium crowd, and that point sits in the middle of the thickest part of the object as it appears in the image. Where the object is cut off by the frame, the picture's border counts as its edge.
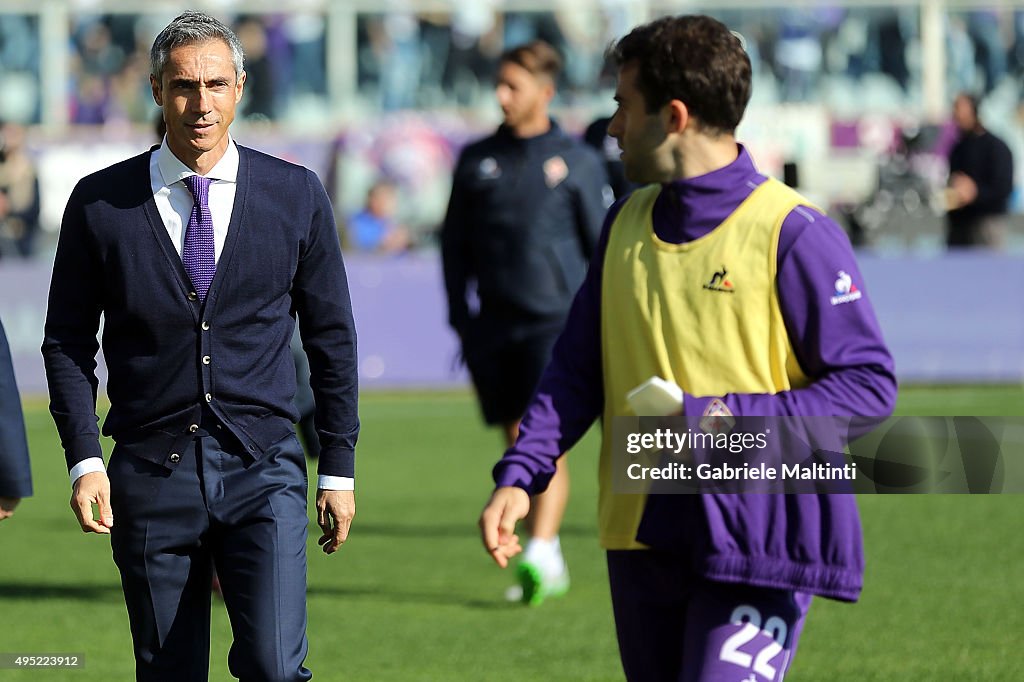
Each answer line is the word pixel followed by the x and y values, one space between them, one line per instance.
pixel 389 90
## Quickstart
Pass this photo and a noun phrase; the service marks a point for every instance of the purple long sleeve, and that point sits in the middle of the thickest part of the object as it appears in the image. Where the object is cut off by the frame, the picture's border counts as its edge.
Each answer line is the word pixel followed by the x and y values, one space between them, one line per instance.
pixel 836 337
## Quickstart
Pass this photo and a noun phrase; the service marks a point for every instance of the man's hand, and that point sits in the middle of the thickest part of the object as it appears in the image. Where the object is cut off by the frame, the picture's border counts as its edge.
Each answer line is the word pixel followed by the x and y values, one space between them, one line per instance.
pixel 334 512
pixel 93 488
pixel 7 505
pixel 507 506
pixel 962 191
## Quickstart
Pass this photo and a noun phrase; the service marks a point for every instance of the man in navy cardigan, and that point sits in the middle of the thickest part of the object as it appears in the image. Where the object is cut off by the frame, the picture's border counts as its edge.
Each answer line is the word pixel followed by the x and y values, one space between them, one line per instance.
pixel 199 254
pixel 15 471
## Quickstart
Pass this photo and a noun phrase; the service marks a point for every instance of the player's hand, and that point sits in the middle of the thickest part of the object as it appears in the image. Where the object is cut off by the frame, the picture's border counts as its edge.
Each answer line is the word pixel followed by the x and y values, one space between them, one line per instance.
pixel 7 505
pixel 507 506
pixel 93 488
pixel 335 510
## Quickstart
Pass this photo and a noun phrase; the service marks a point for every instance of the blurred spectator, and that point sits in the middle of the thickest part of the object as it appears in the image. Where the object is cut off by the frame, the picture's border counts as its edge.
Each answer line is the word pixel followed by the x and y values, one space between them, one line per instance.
pixel 1017 49
pixel 127 101
pixel 980 181
pixel 990 50
pixel 90 101
pixel 435 34
pixel 395 40
pixel 476 42
pixel 19 43
pixel 960 66
pixel 375 228
pixel 97 60
pixel 798 55
pixel 305 33
pixel 581 34
pixel 893 35
pixel 19 67
pixel 19 193
pixel 99 53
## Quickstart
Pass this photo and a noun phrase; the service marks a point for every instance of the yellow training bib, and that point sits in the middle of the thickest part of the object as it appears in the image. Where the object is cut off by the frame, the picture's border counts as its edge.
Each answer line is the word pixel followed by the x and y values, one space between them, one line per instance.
pixel 704 314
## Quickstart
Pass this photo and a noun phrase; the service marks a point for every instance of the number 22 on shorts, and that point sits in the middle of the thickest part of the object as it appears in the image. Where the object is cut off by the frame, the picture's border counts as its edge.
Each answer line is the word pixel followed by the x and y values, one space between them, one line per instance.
pixel 759 662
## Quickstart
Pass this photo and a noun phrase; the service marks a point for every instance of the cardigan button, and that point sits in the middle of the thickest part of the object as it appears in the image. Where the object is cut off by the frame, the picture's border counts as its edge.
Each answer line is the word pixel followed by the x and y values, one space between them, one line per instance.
pixel 193 296
pixel 193 428
pixel 175 458
pixel 209 398
pixel 206 359
pixel 206 326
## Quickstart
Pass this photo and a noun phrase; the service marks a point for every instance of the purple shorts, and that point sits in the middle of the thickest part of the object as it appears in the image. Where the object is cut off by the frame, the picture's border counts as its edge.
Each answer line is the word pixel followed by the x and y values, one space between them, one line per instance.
pixel 674 626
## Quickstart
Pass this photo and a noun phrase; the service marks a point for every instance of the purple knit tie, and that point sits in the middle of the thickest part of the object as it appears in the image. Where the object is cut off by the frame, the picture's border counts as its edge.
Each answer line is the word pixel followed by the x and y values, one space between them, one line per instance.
pixel 198 254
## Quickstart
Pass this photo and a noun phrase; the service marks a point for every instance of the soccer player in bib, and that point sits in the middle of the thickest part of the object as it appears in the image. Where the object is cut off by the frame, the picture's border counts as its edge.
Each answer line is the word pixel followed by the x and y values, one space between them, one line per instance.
pixel 734 287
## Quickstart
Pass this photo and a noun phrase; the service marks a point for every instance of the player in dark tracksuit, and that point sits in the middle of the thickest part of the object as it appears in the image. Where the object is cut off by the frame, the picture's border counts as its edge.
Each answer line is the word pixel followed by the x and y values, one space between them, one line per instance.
pixel 523 221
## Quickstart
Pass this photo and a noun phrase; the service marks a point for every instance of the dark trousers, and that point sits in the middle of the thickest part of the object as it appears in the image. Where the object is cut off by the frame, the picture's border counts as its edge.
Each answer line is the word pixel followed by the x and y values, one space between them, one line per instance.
pixel 675 626
pixel 220 508
pixel 981 231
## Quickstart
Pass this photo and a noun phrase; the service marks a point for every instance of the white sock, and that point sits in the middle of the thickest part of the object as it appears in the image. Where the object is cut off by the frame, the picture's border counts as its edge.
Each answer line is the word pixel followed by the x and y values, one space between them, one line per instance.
pixel 545 554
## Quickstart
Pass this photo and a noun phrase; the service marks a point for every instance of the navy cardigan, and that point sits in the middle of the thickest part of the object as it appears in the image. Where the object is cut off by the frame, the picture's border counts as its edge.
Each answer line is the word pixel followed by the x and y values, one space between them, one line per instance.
pixel 167 353
pixel 15 469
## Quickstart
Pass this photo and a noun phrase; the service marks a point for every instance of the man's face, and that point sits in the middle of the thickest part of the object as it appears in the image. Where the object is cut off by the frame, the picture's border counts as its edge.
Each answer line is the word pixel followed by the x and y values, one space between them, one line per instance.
pixel 198 92
pixel 963 114
pixel 646 155
pixel 522 95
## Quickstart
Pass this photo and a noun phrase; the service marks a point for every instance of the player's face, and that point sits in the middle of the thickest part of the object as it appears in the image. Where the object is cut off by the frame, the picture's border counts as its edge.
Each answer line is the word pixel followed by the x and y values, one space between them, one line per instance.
pixel 523 97
pixel 198 92
pixel 646 152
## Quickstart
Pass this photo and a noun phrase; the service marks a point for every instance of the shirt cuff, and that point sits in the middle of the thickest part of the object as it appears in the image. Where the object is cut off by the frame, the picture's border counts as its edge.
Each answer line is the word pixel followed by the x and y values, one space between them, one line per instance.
pixel 86 466
pixel 512 474
pixel 335 483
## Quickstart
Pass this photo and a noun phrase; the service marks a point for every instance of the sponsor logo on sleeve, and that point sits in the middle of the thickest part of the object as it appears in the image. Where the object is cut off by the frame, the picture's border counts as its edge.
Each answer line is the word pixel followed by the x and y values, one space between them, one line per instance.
pixel 845 290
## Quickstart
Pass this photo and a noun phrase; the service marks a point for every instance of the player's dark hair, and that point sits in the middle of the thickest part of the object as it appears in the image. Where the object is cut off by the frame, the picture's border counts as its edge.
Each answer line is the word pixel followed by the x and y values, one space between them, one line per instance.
pixel 537 57
pixel 694 59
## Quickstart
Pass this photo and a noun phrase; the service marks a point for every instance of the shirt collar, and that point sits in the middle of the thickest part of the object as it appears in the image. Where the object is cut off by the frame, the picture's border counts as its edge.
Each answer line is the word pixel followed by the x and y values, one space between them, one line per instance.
pixel 172 170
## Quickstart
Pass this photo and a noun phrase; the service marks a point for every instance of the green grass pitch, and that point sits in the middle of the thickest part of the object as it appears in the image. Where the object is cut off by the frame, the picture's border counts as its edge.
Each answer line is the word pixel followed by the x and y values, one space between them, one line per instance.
pixel 413 596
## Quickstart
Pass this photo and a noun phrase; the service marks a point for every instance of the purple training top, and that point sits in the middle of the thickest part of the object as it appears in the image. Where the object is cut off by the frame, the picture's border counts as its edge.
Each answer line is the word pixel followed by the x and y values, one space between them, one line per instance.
pixel 734 538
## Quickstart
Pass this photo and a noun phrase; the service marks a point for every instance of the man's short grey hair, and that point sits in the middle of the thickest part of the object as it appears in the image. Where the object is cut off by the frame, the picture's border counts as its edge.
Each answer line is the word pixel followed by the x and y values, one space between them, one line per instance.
pixel 189 28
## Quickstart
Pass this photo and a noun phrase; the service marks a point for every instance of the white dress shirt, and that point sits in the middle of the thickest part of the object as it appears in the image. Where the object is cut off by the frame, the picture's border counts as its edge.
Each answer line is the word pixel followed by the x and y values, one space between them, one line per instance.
pixel 174 202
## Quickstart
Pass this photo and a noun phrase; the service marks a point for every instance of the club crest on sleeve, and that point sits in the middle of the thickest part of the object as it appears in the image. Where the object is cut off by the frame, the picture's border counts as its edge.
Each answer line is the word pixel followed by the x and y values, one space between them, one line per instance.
pixel 845 290
pixel 717 418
